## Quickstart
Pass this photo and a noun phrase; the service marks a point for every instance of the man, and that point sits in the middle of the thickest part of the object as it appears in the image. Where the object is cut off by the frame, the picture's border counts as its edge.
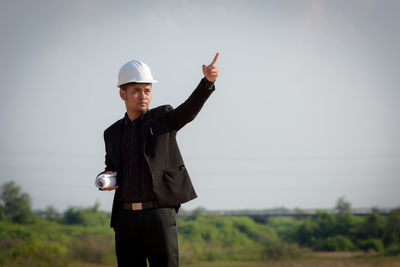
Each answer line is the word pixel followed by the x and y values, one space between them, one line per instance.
pixel 152 180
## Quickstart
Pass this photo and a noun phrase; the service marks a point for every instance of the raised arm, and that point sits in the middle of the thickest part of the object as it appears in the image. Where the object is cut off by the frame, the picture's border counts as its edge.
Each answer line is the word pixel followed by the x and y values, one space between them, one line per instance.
pixel 189 109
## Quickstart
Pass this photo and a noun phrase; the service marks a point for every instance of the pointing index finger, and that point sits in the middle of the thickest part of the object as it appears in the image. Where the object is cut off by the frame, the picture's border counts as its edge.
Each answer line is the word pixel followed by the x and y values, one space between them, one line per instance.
pixel 215 59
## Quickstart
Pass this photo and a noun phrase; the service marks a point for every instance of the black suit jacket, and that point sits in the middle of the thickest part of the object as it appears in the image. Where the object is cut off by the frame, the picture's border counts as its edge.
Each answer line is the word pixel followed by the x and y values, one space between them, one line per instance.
pixel 171 181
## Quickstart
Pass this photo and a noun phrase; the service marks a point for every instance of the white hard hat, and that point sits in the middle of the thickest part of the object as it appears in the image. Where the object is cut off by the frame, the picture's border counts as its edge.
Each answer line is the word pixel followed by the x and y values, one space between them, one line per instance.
pixel 135 72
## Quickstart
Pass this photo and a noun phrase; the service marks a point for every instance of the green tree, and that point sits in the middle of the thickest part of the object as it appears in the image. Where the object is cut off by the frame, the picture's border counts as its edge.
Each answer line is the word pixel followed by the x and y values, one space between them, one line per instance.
pixel 325 223
pixel 305 233
pixel 372 227
pixel 17 205
pixel 392 229
pixel 338 243
pixel 50 214
pixel 391 237
pixel 375 244
pixel 343 206
pixel 345 224
pixel 2 215
pixel 85 216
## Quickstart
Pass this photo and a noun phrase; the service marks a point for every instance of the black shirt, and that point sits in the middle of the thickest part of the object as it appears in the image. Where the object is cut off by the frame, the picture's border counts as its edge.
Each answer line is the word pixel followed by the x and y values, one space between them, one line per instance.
pixel 136 183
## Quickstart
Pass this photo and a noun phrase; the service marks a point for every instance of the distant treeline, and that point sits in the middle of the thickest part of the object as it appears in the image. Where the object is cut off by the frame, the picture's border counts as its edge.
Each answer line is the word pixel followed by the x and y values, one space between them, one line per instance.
pixel 50 238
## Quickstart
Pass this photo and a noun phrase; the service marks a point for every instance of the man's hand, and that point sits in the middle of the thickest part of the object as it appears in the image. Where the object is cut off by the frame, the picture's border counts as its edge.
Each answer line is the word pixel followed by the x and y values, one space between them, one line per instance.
pixel 109 188
pixel 211 71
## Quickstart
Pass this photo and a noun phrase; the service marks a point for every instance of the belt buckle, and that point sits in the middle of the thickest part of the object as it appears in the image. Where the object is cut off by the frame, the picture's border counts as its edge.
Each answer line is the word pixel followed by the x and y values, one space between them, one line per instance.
pixel 137 206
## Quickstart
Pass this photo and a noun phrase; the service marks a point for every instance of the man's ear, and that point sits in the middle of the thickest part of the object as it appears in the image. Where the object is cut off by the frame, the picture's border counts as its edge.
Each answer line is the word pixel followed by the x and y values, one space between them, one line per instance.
pixel 122 94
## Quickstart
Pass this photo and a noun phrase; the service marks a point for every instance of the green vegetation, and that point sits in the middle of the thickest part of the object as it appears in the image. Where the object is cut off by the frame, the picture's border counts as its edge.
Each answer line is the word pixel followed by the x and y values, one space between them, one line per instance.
pixel 343 232
pixel 16 205
pixel 49 238
pixel 83 236
pixel 210 238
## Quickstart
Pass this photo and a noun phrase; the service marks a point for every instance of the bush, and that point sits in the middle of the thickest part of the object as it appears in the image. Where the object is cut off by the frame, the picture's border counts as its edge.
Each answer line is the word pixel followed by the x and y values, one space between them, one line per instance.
pixel 325 224
pixel 373 226
pixel 85 217
pixel 305 233
pixel 2 214
pixel 211 238
pixel 345 224
pixel 338 243
pixel 371 244
pixel 36 254
pixel 286 228
pixel 285 251
pixel 392 228
pixel 20 244
pixel 393 249
pixel 92 248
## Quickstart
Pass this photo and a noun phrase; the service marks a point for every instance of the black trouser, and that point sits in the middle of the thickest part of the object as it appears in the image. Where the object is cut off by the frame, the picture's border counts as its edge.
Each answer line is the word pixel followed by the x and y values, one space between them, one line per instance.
pixel 146 234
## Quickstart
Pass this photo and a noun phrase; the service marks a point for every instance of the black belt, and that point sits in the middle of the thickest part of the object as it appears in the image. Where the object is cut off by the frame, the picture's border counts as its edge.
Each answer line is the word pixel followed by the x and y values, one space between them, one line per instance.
pixel 140 205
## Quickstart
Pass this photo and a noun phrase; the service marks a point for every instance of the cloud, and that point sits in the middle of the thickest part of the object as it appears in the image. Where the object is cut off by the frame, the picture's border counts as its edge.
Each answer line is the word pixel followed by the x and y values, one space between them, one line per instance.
pixel 327 22
pixel 166 22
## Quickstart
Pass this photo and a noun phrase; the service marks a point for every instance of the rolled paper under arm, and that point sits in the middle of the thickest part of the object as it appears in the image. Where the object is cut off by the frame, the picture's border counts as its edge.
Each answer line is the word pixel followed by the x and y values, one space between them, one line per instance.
pixel 106 180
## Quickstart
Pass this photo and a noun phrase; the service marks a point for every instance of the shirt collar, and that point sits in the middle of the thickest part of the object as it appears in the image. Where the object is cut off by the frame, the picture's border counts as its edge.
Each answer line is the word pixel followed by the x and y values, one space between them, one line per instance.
pixel 127 120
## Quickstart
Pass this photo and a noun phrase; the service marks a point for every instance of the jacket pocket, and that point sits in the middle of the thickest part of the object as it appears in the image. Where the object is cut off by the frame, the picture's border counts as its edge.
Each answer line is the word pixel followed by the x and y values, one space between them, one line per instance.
pixel 175 178
pixel 177 184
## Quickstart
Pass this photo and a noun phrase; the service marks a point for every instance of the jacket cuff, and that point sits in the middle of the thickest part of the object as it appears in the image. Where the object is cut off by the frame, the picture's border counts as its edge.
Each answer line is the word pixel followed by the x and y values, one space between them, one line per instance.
pixel 207 84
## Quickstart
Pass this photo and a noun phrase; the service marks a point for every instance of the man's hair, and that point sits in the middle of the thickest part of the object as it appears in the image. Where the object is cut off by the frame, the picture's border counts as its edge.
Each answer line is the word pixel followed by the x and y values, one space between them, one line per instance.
pixel 126 85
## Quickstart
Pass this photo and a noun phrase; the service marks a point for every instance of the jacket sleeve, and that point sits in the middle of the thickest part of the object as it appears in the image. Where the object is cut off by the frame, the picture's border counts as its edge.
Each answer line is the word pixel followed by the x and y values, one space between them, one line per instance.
pixel 109 166
pixel 189 109
pixel 108 162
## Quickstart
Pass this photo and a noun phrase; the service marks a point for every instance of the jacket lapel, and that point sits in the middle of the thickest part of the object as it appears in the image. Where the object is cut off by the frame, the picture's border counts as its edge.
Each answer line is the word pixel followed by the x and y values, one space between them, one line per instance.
pixel 147 133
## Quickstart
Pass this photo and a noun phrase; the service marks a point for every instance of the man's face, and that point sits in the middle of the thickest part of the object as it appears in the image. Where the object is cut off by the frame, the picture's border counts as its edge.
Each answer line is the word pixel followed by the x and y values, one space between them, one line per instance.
pixel 137 97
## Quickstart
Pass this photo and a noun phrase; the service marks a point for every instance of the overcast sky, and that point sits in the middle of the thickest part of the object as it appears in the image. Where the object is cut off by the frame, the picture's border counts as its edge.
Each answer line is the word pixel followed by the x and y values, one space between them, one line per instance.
pixel 306 107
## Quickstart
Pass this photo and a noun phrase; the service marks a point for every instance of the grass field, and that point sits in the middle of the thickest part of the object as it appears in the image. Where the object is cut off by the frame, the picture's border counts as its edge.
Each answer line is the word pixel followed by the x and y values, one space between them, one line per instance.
pixel 316 260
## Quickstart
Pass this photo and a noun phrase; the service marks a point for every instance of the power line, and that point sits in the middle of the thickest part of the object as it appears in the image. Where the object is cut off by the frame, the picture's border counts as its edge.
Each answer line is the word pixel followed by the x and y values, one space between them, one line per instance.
pixel 218 158
pixel 293 158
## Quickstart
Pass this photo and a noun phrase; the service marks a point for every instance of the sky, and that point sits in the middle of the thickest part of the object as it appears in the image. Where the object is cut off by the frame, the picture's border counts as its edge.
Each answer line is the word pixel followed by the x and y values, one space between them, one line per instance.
pixel 306 108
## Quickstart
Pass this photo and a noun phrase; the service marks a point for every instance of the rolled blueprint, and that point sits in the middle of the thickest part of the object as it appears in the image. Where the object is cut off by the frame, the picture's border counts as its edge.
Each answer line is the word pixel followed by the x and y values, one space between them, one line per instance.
pixel 106 180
